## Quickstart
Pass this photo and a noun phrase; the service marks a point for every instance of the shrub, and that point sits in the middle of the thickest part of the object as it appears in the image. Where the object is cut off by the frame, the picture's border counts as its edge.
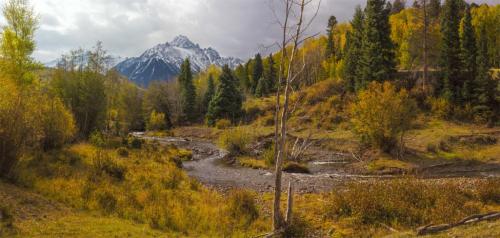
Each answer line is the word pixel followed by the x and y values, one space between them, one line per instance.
pixel 97 139
pixel 135 143
pixel 268 156
pixel 431 148
pixel 440 107
pixel 106 202
pixel 156 122
pixel 5 217
pixel 223 124
pixel 381 115
pixel 294 167
pixel 489 191
pixel 102 163
pixel 122 152
pixel 242 208
pixel 403 202
pixel 235 140
pixel 58 124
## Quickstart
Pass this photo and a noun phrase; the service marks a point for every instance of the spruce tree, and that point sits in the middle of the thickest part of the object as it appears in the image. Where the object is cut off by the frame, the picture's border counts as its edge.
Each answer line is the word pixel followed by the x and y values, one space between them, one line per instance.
pixel 378 59
pixel 227 101
pixel 450 50
pixel 262 88
pixel 398 6
pixel 330 47
pixel 468 48
pixel 353 52
pixel 484 86
pixel 270 74
pixel 188 91
pixel 434 7
pixel 258 70
pixel 209 94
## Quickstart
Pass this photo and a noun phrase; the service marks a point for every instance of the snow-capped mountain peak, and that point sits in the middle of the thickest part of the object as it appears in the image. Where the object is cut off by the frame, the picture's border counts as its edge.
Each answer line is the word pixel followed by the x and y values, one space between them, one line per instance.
pixel 163 61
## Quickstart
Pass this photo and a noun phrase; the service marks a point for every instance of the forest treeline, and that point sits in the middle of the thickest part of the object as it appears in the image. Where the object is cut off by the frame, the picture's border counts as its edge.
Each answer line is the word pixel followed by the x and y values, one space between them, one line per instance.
pixel 45 108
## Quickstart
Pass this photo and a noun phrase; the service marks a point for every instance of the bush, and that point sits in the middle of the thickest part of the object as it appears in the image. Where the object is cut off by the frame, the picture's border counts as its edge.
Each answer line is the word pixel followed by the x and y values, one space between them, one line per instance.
pixel 106 202
pixel 97 139
pixel 489 191
pixel 5 217
pixel 440 107
pixel 381 115
pixel 294 167
pixel 58 124
pixel 235 140
pixel 135 143
pixel 242 208
pixel 223 124
pixel 268 156
pixel 103 164
pixel 403 202
pixel 156 122
pixel 122 152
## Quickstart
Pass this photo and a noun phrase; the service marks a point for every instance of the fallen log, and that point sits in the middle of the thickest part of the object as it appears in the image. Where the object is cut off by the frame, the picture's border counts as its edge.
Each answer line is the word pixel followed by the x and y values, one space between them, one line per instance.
pixel 432 229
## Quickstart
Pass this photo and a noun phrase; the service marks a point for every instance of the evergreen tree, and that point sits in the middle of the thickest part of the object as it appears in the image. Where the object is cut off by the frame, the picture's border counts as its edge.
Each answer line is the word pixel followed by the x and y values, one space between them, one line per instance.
pixel 398 6
pixel 241 75
pixel 330 47
pixel 353 51
pixel 258 71
pixel 468 44
pixel 484 86
pixel 378 59
pixel 209 94
pixel 227 101
pixel 262 88
pixel 270 74
pixel 188 91
pixel 434 8
pixel 450 50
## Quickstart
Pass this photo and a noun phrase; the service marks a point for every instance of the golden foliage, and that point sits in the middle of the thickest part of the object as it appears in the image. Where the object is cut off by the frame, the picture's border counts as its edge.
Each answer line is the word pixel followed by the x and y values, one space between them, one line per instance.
pixel 382 114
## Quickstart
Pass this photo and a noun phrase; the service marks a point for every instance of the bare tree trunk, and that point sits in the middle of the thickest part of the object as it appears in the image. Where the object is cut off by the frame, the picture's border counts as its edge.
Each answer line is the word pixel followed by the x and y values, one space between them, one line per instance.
pixel 289 204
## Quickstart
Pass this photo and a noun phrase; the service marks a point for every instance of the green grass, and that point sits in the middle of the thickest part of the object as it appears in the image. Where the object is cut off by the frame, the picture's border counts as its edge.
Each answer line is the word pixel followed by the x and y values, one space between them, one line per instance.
pixel 253 163
pixel 383 164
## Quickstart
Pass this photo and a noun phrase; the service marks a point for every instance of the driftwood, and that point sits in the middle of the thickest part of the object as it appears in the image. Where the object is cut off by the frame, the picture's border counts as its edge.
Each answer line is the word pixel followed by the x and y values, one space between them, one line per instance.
pixel 432 229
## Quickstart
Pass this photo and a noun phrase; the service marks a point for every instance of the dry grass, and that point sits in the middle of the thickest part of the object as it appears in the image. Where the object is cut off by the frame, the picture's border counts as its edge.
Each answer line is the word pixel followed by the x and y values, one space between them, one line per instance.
pixel 146 187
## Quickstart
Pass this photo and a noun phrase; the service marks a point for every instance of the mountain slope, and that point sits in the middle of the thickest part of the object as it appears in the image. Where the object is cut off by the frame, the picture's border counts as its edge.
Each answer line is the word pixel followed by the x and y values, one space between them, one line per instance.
pixel 163 61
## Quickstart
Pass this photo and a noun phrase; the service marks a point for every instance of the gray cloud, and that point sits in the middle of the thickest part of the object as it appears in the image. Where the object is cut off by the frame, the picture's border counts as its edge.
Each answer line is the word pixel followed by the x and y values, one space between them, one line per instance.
pixel 128 27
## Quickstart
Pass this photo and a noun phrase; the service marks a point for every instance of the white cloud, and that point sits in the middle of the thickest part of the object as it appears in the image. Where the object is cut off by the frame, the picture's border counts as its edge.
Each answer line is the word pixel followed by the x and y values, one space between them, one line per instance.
pixel 128 27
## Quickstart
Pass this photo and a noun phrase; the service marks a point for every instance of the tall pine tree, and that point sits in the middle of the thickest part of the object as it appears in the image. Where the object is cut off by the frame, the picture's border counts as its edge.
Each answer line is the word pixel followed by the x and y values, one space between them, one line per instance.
pixel 378 59
pixel 434 9
pixel 330 46
pixel 226 103
pixel 398 6
pixel 468 47
pixel 258 71
pixel 209 94
pixel 353 52
pixel 484 87
pixel 450 50
pixel 188 91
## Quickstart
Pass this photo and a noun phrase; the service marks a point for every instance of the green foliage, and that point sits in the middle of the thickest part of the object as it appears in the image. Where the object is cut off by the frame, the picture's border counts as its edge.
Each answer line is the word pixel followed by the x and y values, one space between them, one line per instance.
pixel 209 94
pixel 188 91
pixel 381 115
pixel 236 140
pixel 135 143
pixel 97 139
pixel 440 107
pixel 450 52
pixel 330 45
pixel 268 156
pixel 156 122
pixel 227 101
pixel 353 52
pixel 257 73
pixel 468 50
pixel 377 58
pixel 17 42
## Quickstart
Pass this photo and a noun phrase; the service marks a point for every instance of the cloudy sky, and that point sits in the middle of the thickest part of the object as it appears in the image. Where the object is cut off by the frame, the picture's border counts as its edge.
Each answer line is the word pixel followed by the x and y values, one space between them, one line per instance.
pixel 128 27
